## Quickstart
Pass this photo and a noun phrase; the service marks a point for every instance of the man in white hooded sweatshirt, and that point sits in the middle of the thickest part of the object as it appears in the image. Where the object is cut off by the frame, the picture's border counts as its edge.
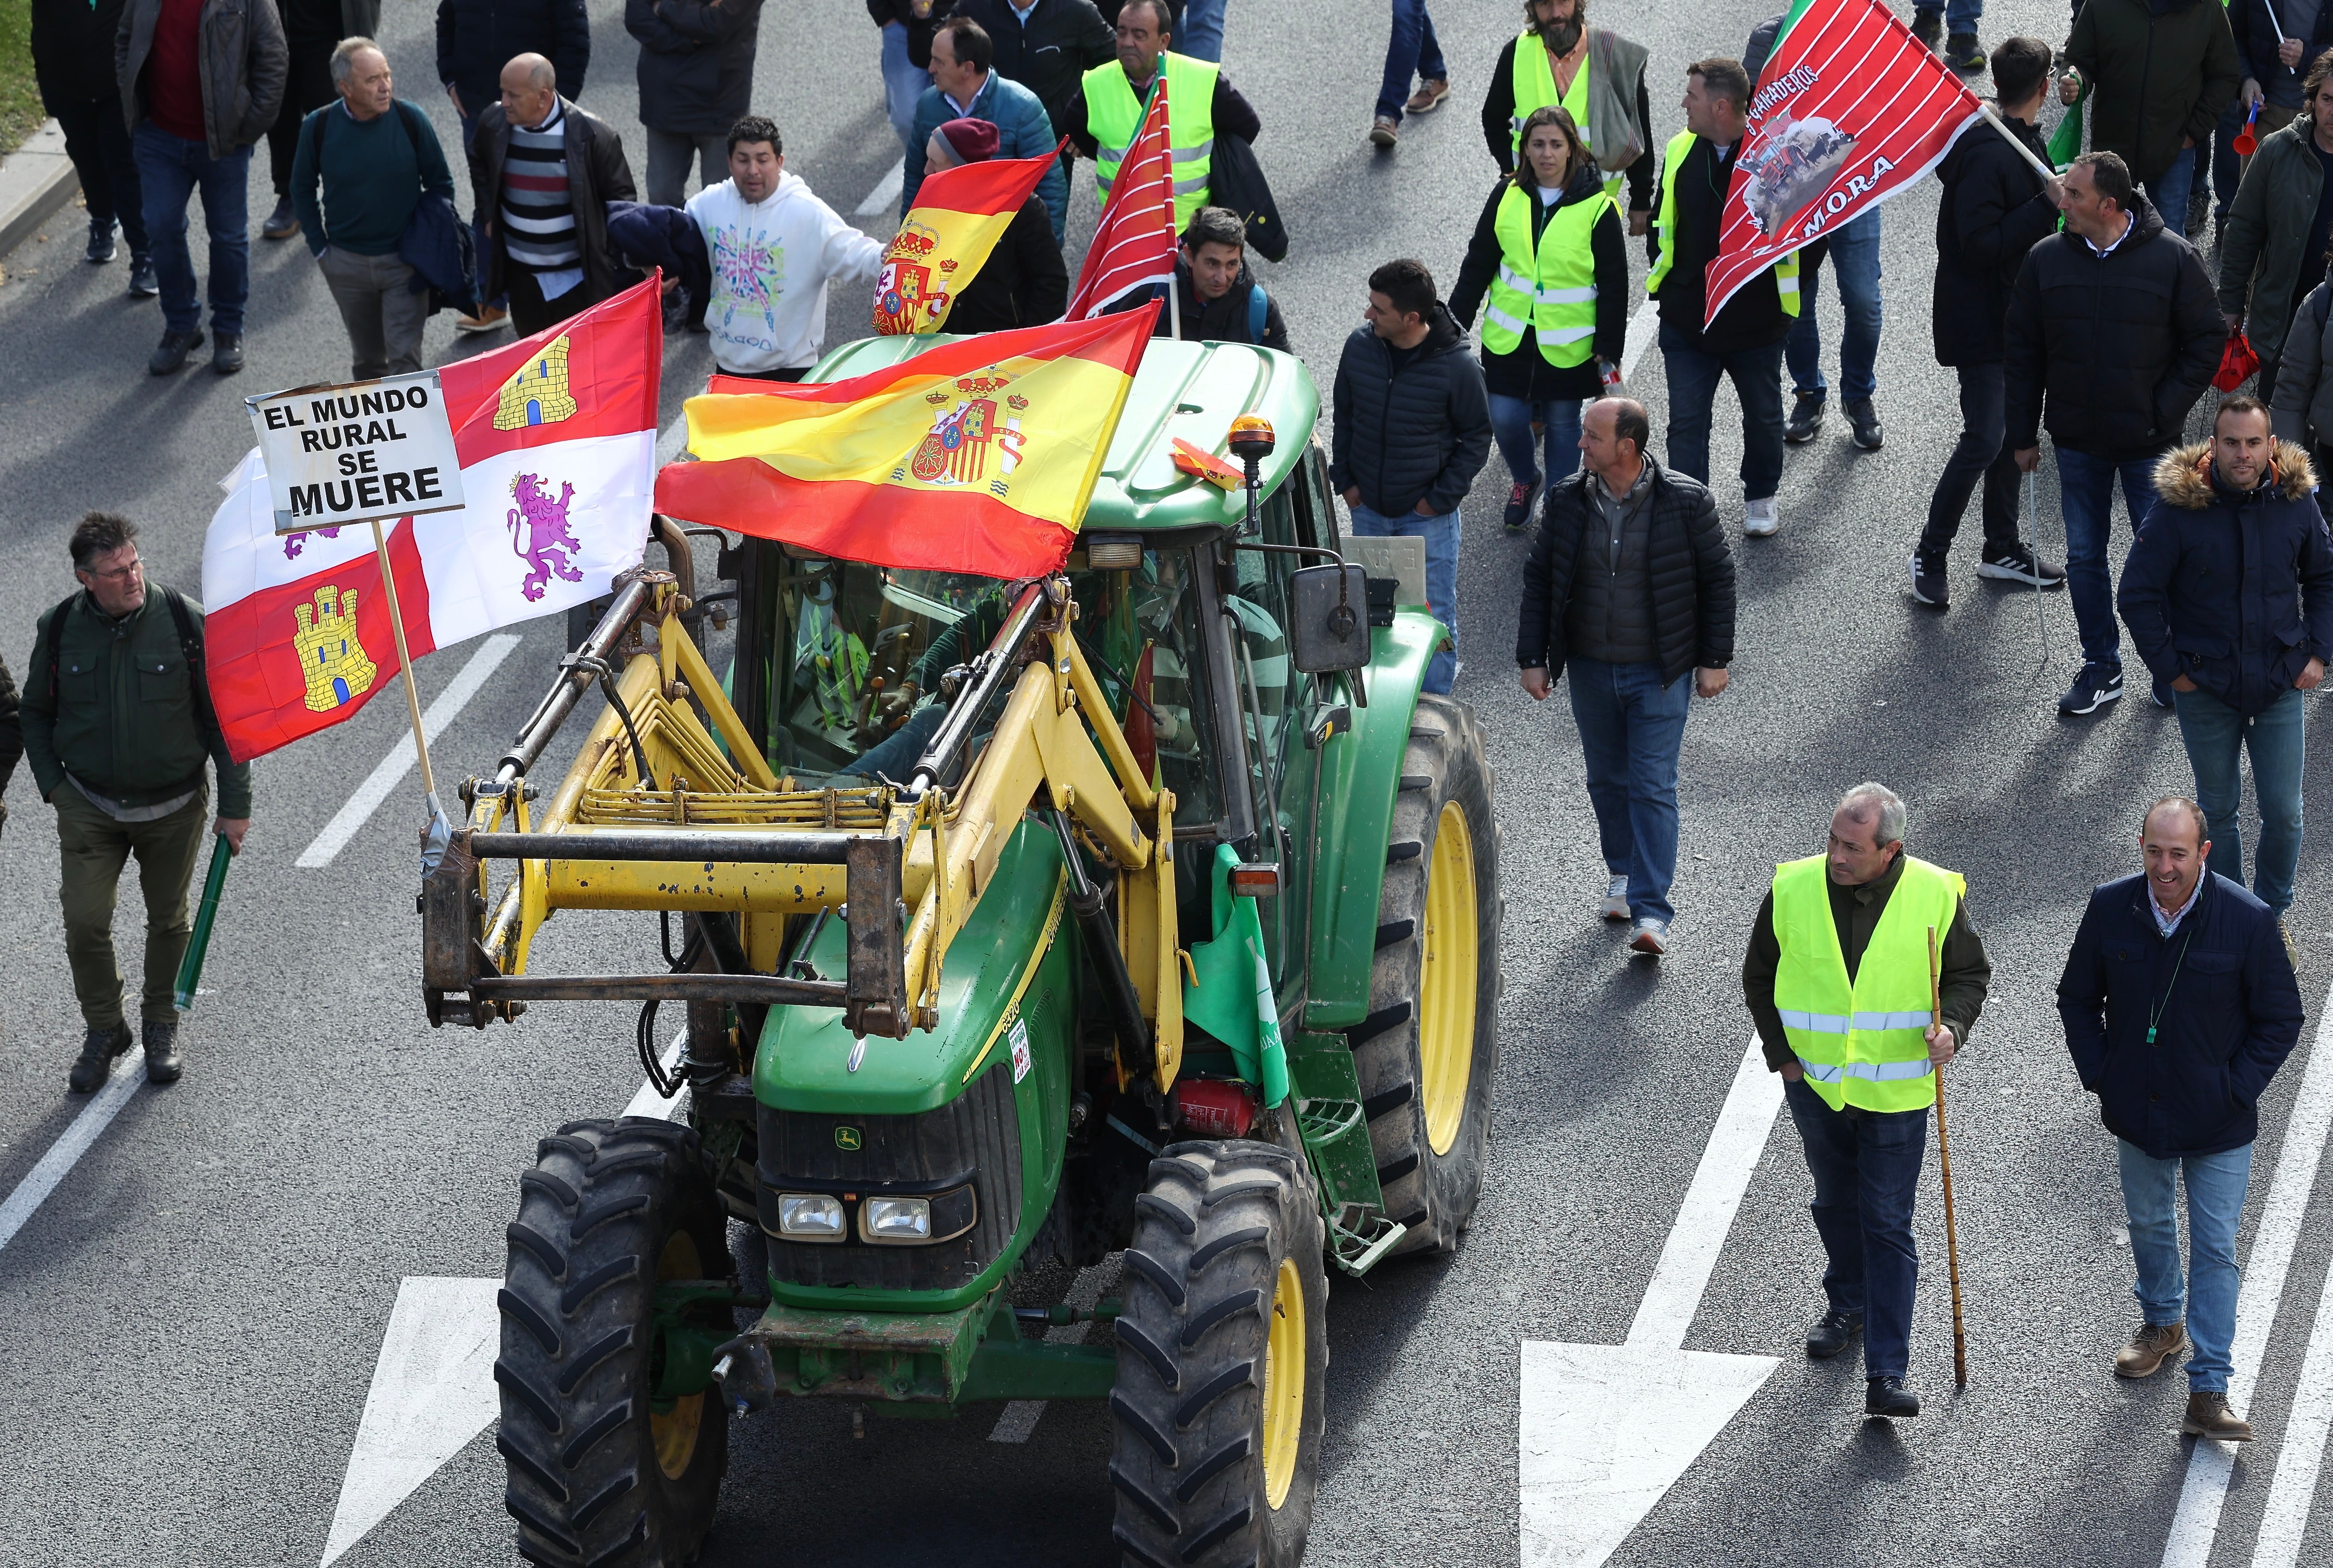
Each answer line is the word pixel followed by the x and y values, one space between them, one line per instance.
pixel 774 247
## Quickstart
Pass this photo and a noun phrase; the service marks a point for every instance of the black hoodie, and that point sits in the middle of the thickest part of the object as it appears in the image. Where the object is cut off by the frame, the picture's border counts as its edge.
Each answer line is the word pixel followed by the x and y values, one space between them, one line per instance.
pixel 1418 432
pixel 1994 211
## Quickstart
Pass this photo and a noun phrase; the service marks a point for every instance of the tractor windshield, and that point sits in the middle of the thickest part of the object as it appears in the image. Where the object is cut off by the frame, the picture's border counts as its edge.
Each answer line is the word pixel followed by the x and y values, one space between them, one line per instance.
pixel 859 687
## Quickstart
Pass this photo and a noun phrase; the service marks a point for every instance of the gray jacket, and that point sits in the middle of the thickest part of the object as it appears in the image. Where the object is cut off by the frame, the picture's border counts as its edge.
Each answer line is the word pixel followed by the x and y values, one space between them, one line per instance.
pixel 244 64
pixel 2267 229
pixel 2302 408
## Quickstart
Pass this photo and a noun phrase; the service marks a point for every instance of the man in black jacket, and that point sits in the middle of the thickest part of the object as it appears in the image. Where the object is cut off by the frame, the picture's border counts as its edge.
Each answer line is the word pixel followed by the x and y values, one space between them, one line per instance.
pixel 2115 325
pixel 1996 207
pixel 1046 48
pixel 1413 430
pixel 697 80
pixel 1216 296
pixel 73 61
pixel 2229 597
pixel 560 262
pixel 1630 583
pixel 2180 1005
pixel 475 39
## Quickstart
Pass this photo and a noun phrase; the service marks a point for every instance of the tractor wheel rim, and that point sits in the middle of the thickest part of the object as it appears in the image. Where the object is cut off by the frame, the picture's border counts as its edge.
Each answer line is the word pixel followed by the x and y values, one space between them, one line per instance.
pixel 1445 1001
pixel 1284 1384
pixel 674 1431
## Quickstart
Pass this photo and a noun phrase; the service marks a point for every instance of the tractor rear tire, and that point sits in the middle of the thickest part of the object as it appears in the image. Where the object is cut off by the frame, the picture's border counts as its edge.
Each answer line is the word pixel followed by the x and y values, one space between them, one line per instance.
pixel 1426 1052
pixel 598 1474
pixel 1222 1359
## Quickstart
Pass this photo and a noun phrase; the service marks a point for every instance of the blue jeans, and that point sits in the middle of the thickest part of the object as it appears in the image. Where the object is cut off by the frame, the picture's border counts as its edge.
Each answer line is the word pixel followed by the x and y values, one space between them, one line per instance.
pixel 1853 254
pixel 1630 729
pixel 1201 34
pixel 2085 495
pixel 1694 373
pixel 170 170
pixel 2169 191
pixel 1960 15
pixel 1511 419
pixel 2213 734
pixel 2215 1203
pixel 1866 1169
pixel 1441 536
pixel 1411 51
pixel 903 84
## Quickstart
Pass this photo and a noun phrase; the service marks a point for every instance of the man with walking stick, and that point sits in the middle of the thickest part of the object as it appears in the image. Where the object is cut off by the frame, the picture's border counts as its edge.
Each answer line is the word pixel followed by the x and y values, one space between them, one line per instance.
pixel 2180 1005
pixel 1839 982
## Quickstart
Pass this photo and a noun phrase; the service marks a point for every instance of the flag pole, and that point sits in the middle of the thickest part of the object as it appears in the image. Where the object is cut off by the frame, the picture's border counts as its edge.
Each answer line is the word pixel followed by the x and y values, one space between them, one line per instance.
pixel 1992 118
pixel 405 665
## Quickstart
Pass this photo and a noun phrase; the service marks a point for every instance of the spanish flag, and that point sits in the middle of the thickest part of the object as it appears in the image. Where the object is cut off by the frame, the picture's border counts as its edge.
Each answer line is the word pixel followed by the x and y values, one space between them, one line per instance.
pixel 977 455
pixel 959 215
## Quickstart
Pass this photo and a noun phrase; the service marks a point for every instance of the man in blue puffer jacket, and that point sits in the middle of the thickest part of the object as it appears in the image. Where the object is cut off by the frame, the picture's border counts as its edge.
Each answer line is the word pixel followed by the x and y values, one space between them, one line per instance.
pixel 2229 597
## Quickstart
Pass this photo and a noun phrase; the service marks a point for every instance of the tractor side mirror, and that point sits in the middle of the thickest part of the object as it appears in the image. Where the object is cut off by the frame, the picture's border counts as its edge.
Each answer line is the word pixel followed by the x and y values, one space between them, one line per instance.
pixel 1329 615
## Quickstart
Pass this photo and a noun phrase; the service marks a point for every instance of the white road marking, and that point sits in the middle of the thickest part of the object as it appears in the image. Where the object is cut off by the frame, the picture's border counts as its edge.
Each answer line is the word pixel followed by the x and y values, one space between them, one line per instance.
pixel 1643 329
pixel 433 1388
pixel 1018 1417
pixel 433 1391
pixel 2210 1465
pixel 128 1072
pixel 369 795
pixel 886 192
pixel 1607 1430
pixel 2294 1491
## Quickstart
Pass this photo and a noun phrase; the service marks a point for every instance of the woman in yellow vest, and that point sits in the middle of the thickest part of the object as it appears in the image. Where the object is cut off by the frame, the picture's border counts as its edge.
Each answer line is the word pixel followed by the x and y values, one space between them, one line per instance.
pixel 1550 265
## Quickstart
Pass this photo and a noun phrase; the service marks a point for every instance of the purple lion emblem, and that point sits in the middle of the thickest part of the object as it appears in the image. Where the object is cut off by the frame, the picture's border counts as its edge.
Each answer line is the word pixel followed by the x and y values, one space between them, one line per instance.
pixel 538 536
pixel 293 541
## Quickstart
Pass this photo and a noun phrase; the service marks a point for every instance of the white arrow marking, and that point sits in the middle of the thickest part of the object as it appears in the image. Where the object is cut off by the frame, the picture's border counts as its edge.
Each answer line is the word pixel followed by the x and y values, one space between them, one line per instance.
pixel 1607 1430
pixel 2211 1464
pixel 433 1388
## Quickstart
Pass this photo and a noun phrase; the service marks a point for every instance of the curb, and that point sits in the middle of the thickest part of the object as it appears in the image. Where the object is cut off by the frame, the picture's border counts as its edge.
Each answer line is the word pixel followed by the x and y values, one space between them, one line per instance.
pixel 36 180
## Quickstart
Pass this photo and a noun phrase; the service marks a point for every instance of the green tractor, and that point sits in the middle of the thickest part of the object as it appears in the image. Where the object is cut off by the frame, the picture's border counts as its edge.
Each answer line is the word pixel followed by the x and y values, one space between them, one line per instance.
pixel 1147 909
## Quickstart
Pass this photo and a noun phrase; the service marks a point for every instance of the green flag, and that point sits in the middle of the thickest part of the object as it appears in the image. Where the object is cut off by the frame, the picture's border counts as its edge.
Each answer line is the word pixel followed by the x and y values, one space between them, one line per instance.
pixel 2066 141
pixel 1232 997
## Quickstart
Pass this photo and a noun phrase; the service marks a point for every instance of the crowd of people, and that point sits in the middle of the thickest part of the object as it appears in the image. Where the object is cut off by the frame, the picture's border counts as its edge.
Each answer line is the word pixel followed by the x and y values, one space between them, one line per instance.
pixel 2076 304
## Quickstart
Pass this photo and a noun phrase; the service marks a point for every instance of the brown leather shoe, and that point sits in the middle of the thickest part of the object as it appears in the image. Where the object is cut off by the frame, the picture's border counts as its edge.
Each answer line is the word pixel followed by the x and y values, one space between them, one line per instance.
pixel 2208 1416
pixel 2149 1348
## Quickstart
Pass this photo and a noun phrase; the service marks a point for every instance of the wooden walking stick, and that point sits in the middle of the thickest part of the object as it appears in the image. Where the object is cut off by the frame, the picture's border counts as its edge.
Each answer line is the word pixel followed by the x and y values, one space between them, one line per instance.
pixel 1945 1149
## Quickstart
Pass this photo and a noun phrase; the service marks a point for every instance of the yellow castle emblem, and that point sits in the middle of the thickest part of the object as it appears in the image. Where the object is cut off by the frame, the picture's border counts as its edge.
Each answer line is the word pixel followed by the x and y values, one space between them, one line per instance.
pixel 333 660
pixel 538 394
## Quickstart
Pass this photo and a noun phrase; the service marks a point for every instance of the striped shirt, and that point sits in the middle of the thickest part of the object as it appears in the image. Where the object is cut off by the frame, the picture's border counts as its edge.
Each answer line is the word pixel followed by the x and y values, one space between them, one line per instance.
pixel 537 212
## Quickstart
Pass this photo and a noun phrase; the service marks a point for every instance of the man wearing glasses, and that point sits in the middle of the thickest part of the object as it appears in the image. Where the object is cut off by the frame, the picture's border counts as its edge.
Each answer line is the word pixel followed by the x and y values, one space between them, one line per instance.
pixel 118 725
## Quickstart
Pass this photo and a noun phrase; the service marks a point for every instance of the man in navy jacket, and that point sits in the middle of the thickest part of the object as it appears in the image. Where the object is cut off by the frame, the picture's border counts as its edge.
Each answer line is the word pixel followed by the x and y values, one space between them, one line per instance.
pixel 2180 1005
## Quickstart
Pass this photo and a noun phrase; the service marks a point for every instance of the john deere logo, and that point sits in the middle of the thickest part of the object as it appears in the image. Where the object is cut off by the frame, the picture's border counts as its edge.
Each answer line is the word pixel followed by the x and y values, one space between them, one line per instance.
pixel 847 1138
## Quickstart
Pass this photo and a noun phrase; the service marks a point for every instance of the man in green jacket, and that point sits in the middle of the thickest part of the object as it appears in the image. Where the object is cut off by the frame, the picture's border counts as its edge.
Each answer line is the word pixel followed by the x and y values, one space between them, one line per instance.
pixel 117 726
pixel 2163 70
pixel 2272 246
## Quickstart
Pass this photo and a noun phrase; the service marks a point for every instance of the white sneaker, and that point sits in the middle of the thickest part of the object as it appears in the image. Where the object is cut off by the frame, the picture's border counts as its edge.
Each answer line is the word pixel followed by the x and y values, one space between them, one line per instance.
pixel 1616 899
pixel 1651 936
pixel 1759 521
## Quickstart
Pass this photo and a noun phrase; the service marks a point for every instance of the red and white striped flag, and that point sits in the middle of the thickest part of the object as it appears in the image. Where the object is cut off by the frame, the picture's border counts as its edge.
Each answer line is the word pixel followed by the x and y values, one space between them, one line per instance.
pixel 1850 109
pixel 1136 242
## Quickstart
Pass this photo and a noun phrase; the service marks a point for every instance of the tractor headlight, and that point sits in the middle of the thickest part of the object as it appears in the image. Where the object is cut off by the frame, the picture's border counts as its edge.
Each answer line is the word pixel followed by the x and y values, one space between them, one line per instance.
pixel 896 1219
pixel 810 1216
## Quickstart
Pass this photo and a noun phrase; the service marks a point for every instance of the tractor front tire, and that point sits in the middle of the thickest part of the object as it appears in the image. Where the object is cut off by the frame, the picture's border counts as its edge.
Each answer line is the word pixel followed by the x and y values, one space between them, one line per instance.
pixel 601 1472
pixel 1223 1355
pixel 1427 1051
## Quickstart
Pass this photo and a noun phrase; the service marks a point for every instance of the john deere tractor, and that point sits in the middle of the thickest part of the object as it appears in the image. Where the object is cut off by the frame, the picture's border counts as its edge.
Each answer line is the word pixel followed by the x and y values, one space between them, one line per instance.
pixel 1145 909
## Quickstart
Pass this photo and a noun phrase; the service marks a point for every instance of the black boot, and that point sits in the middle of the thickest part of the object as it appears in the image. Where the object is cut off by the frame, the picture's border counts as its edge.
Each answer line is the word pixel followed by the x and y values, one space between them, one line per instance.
pixel 1833 1334
pixel 162 1064
pixel 98 1049
pixel 1928 25
pixel 1890 1397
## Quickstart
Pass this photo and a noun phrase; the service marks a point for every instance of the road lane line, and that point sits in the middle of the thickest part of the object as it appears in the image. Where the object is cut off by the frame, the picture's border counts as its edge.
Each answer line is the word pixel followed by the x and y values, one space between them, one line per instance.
pixel 369 795
pixel 1018 1417
pixel 128 1072
pixel 2211 1464
pixel 647 1102
pixel 1644 329
pixel 1690 1254
pixel 2293 1492
pixel 887 191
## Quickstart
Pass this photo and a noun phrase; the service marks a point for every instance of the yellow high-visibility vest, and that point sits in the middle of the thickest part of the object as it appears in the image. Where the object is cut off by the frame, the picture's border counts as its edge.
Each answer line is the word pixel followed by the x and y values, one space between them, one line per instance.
pixel 1863 1044
pixel 1550 288
pixel 1534 84
pixel 1786 271
pixel 1114 118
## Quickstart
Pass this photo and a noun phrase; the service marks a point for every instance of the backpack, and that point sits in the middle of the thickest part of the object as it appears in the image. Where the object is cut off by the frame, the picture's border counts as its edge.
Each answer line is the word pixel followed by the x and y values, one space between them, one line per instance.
pixel 190 648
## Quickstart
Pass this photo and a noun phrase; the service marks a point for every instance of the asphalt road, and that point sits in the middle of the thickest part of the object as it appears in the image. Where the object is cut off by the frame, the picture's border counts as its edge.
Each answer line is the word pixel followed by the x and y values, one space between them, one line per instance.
pixel 193 1315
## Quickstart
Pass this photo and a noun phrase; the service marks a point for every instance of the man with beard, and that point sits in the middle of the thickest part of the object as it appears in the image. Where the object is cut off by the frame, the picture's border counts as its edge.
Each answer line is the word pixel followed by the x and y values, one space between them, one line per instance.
pixel 1106 114
pixel 1594 72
